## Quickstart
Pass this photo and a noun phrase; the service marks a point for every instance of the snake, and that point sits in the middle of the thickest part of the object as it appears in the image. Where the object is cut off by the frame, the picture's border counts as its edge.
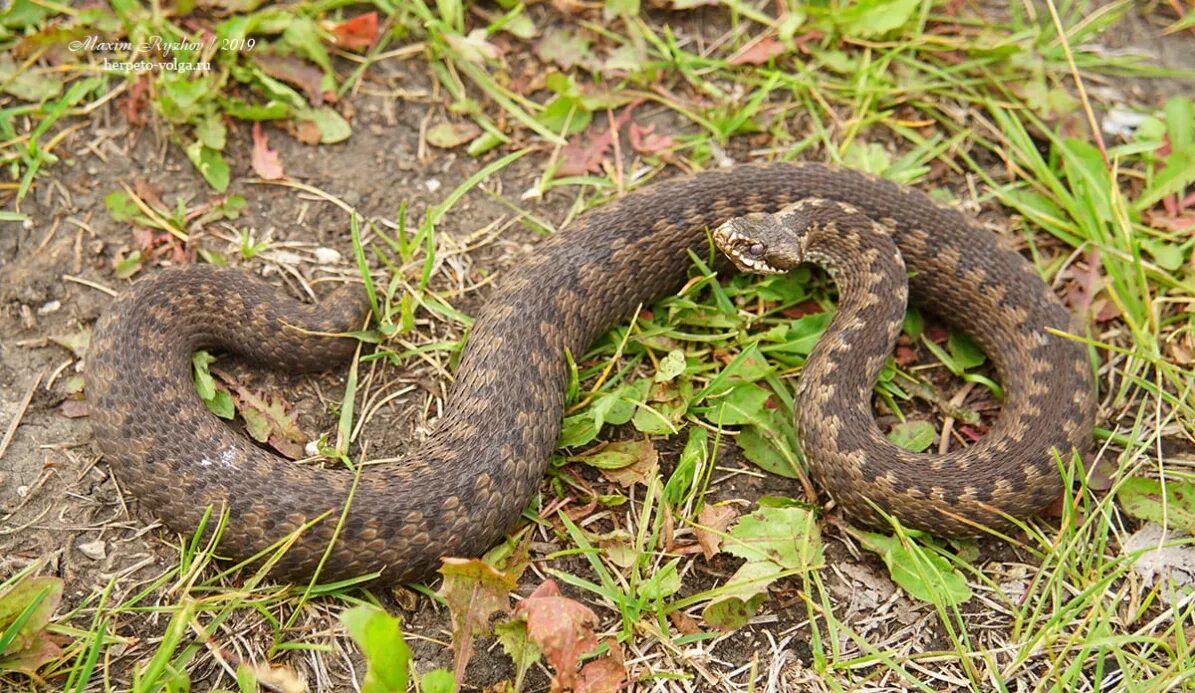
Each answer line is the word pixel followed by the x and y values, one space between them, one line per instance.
pixel 462 489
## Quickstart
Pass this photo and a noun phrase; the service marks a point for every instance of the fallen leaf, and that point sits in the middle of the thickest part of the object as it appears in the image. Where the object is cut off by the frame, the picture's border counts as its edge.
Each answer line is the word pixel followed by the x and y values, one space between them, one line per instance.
pixel 266 163
pixel 449 135
pixel 308 132
pixel 474 48
pixel 625 461
pixel 712 522
pixel 562 628
pixel 605 675
pixel 359 32
pixel 1158 562
pixel 565 47
pixel 29 646
pixel 268 420
pixel 645 141
pixel 474 591
pixel 300 73
pixel 684 623
pixel 759 52
pixel 74 408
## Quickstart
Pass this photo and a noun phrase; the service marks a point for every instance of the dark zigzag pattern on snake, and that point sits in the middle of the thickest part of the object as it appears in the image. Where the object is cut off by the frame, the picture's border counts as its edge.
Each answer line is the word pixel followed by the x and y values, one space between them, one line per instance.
pixel 461 490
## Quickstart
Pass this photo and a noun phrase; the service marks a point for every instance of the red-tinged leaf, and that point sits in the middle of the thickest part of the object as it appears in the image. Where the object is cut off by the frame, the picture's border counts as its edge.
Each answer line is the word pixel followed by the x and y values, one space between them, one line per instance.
pixel 562 628
pixel 133 105
pixel 605 675
pixel 269 420
pixel 1181 223
pixel 645 141
pixel 584 154
pixel 266 163
pixel 712 523
pixel 905 355
pixel 806 307
pixel 30 646
pixel 74 408
pixel 474 591
pixel 759 52
pixel 294 71
pixel 970 433
pixel 938 334
pixel 358 32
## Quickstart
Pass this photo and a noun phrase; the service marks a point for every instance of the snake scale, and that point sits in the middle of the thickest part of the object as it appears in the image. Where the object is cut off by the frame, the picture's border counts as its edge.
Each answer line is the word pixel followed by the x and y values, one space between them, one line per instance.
pixel 461 490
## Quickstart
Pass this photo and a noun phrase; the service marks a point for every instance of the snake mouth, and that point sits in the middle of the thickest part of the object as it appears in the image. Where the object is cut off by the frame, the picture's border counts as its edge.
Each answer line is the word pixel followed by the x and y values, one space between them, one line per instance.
pixel 748 254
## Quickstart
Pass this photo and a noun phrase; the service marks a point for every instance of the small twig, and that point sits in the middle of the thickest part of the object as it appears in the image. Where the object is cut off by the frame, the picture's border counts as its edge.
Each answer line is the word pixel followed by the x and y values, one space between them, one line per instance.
pixel 20 414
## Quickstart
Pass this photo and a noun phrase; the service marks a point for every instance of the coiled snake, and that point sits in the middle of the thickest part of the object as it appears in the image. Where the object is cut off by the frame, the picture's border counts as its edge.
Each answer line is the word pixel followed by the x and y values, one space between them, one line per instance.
pixel 460 491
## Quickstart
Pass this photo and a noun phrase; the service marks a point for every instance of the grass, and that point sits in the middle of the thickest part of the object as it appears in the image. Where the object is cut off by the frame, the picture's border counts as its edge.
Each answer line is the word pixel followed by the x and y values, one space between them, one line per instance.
pixel 921 93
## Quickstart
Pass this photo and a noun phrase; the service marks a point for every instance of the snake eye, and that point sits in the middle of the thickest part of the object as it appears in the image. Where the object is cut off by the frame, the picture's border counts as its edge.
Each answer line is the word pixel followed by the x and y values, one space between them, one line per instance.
pixel 756 250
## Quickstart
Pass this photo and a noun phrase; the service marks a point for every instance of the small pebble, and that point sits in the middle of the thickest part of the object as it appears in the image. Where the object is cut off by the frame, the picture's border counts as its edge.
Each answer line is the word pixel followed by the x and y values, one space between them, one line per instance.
pixel 50 307
pixel 95 550
pixel 311 449
pixel 432 184
pixel 327 256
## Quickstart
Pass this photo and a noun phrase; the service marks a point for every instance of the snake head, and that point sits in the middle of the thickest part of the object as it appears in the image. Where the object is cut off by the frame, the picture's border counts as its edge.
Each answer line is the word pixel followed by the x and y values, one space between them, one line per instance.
pixel 760 243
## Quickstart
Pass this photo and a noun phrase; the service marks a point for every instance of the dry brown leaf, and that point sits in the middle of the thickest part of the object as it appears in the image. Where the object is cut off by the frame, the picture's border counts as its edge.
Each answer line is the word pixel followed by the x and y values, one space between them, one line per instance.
pixel 712 523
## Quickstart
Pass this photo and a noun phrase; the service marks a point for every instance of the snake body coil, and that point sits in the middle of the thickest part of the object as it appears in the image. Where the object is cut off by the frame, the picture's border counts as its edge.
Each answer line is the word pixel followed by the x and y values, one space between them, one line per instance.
pixel 460 491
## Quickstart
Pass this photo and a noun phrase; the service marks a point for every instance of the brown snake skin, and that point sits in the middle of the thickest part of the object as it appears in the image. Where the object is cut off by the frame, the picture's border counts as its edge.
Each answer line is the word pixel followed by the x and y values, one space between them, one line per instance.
pixel 459 492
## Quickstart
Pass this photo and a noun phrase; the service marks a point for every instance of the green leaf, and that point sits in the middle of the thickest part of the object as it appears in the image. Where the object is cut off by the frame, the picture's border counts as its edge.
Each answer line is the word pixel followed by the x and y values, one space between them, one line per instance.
pixel 387 656
pixel 671 366
pixel 871 18
pixel 1180 122
pixel 738 600
pixel 745 403
pixel 120 206
pixel 438 681
pixel 578 430
pixel 915 436
pixel 218 402
pixel 512 635
pixel 1167 255
pixel 211 164
pixel 786 536
pixel 965 351
pixel 768 446
pixel 923 574
pixel 1172 507
pixel 332 126
pixel 662 584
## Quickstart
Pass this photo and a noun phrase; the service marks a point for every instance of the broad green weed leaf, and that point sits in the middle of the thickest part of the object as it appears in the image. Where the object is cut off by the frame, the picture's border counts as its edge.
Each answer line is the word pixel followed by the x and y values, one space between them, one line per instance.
pixel 1173 506
pixel 738 600
pixel 923 574
pixel 915 436
pixel 438 681
pixel 387 656
pixel 965 351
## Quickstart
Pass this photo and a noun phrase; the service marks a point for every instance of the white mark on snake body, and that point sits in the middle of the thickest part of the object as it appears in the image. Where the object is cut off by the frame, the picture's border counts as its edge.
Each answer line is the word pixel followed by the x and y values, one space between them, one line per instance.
pixel 227 459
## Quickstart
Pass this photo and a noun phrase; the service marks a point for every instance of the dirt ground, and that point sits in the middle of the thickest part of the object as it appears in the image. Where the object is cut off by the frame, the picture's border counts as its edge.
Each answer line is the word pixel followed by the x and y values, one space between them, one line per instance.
pixel 58 500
